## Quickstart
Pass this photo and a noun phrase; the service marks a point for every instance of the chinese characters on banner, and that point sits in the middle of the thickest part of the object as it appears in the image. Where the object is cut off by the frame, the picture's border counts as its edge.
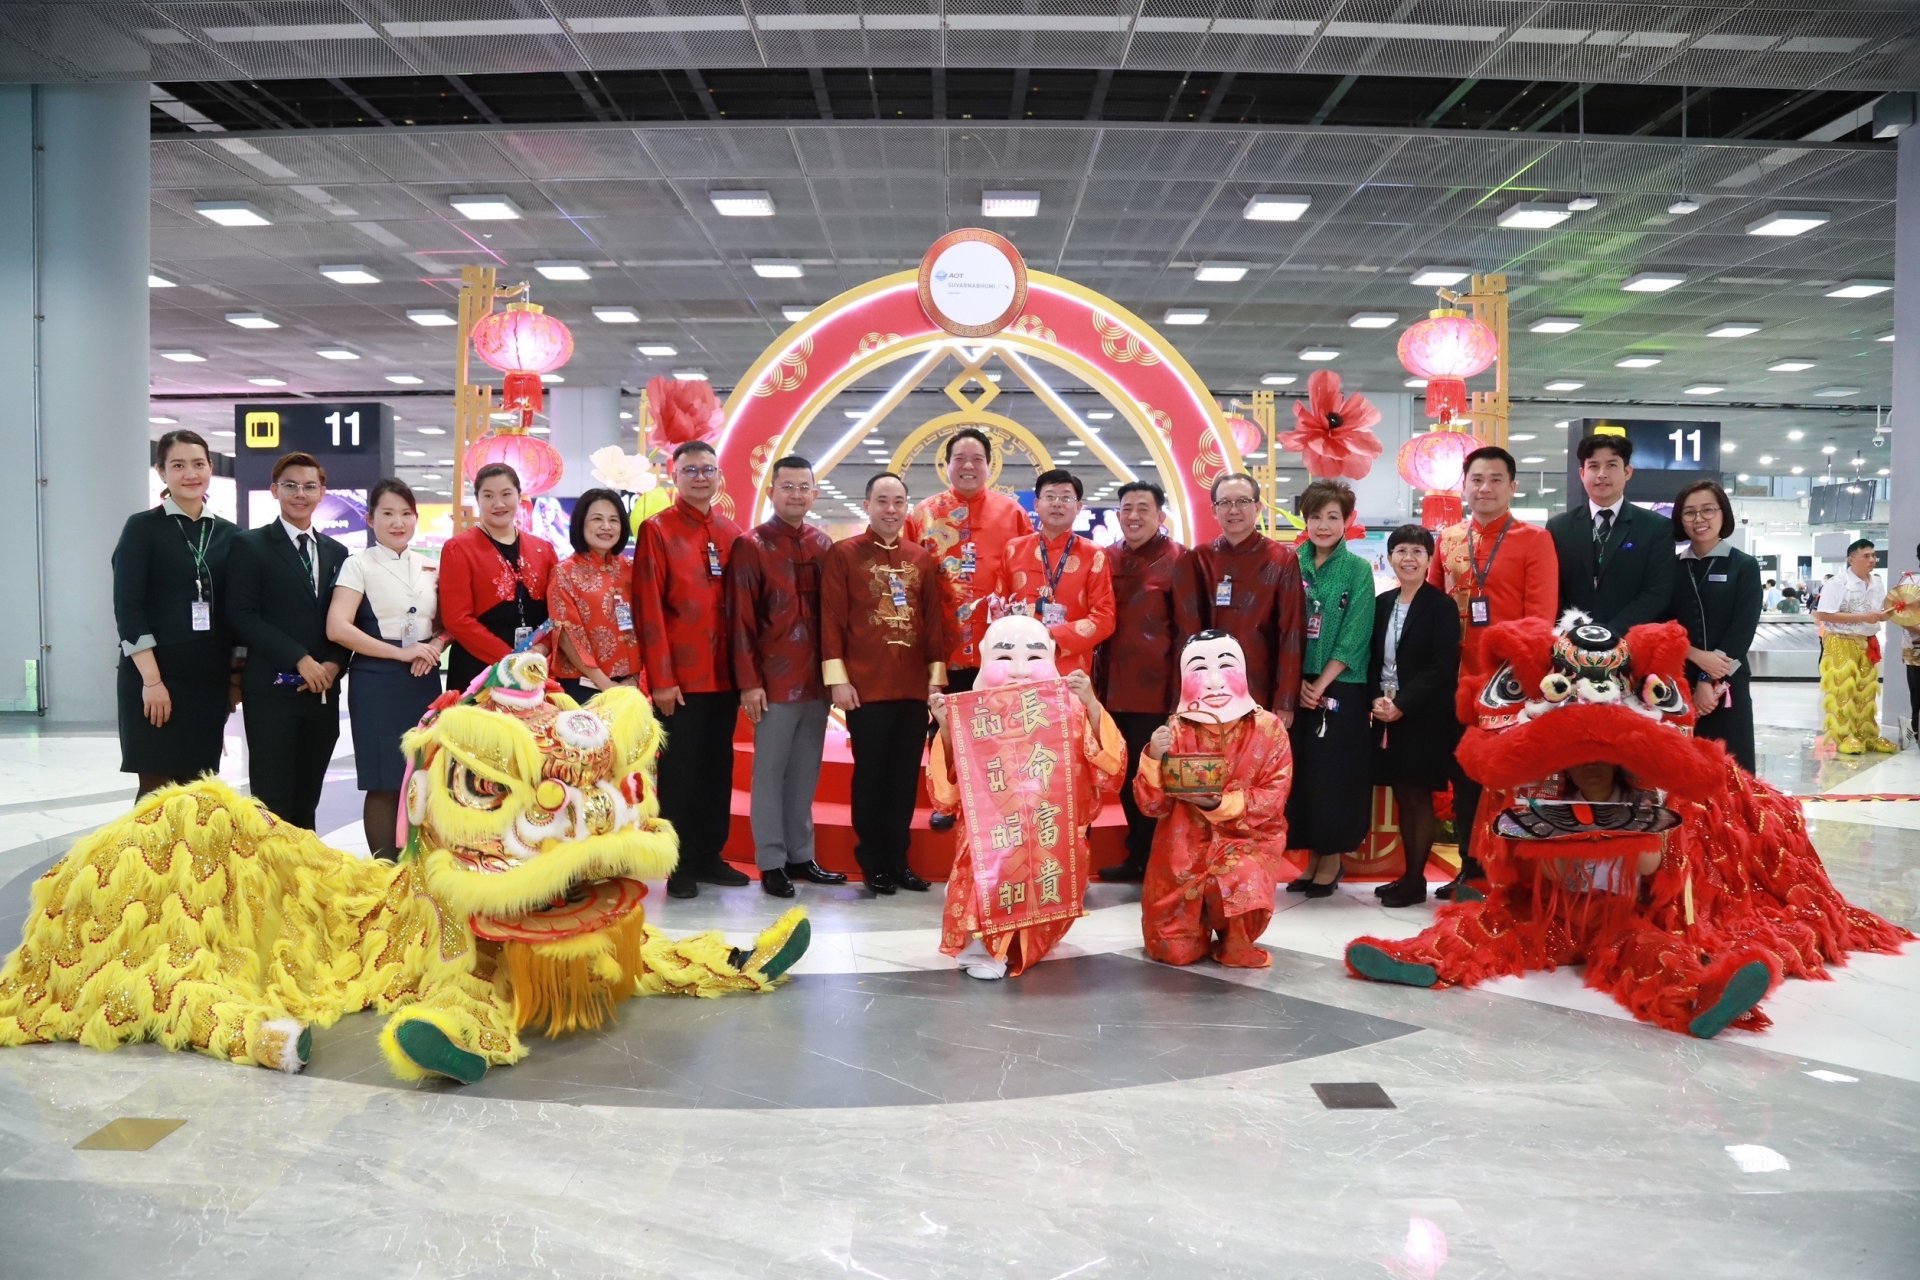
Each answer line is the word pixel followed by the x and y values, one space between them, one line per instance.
pixel 1013 759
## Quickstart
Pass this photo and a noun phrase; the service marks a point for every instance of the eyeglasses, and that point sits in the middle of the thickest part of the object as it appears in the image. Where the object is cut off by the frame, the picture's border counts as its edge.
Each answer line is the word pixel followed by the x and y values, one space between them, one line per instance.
pixel 1235 504
pixel 700 473
pixel 1701 513
pixel 789 487
pixel 309 489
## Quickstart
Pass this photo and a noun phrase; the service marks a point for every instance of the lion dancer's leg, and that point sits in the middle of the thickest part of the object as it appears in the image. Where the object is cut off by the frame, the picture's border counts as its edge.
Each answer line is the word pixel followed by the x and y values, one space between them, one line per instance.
pixel 461 1024
pixel 1662 978
pixel 1468 943
pixel 206 1017
pixel 1850 690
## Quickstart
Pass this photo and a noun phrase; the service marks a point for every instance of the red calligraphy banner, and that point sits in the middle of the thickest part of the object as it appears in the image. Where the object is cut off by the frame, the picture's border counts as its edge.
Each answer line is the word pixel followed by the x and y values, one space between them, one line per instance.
pixel 1013 755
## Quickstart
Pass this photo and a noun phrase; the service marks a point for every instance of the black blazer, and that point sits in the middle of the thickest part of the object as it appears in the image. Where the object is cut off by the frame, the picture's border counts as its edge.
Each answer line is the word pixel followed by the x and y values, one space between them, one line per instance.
pixel 275 613
pixel 1636 573
pixel 1428 657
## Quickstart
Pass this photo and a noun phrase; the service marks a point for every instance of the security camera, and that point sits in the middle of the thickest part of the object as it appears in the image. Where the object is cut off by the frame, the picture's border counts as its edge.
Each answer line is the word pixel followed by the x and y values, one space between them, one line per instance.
pixel 1879 441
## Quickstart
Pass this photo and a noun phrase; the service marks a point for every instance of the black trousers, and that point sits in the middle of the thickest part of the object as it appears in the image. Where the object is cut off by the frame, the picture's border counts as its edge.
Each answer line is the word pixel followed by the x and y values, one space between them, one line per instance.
pixel 696 777
pixel 1466 801
pixel 1137 728
pixel 290 738
pixel 1913 698
pixel 887 739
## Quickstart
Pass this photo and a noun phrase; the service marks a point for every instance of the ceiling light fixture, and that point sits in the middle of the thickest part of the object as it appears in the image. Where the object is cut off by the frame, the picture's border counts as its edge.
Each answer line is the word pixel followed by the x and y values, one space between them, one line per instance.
pixel 1791 366
pixel 616 315
pixel 231 213
pixel 1554 324
pixel 1221 272
pixel 1885 337
pixel 566 270
pixel 1272 380
pixel 1829 447
pixel 1099 415
pixel 1734 329
pixel 1319 353
pixel 159 282
pixel 1564 384
pixel 1860 288
pixel 1652 282
pixel 1531 215
pixel 183 357
pixel 1789 222
pixel 1728 446
pixel 350 275
pixel 1636 362
pixel 1009 204
pixel 778 268
pixel 741 204
pixel 485 208
pixel 268 382
pixel 1372 320
pixel 1837 392
pixel 1766 459
pixel 431 319
pixel 250 320
pixel 337 353
pixel 689 375
pixel 163 422
pixel 1703 389
pixel 405 380
pixel 1683 206
pixel 1796 434
pixel 1583 204
pixel 657 350
pixel 1276 208
pixel 1185 315
pixel 552 378
pixel 1440 277
pixel 1416 383
pixel 793 315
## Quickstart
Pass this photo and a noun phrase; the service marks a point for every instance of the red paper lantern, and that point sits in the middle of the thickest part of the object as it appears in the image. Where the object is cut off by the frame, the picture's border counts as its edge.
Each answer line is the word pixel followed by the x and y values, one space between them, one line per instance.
pixel 522 342
pixel 1446 349
pixel 1436 459
pixel 1247 435
pixel 536 462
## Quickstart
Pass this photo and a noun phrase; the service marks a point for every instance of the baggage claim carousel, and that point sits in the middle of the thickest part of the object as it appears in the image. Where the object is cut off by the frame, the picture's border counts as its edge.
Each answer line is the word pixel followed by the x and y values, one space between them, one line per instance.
pixel 1786 647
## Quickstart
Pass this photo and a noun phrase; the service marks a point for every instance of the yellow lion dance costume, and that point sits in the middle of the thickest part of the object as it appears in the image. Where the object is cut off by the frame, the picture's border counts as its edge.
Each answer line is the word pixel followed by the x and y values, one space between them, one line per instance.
pixel 202 921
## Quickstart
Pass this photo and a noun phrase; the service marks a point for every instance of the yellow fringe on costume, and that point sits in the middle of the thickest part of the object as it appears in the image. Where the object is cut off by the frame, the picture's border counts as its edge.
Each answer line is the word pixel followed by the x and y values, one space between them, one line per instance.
pixel 1850 696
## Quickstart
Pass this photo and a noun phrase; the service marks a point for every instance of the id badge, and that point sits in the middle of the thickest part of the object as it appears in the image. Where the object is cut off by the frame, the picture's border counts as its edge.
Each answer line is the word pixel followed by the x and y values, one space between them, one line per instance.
pixel 898 590
pixel 1313 625
pixel 1053 615
pixel 967 561
pixel 713 561
pixel 202 616
pixel 1479 612
pixel 1223 593
pixel 520 637
pixel 1716 577
pixel 623 615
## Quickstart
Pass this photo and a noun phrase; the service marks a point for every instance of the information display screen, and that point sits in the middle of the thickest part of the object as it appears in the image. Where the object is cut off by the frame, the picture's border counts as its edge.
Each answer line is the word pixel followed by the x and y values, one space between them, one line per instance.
pixel 1667 455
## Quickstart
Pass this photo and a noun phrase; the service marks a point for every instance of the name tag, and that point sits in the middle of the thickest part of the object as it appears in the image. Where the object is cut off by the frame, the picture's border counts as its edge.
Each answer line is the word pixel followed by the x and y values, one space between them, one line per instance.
pixel 1479 612
pixel 713 561
pixel 1716 577
pixel 1053 615
pixel 898 590
pixel 1223 593
pixel 967 561
pixel 520 637
pixel 1313 623
pixel 202 616
pixel 623 615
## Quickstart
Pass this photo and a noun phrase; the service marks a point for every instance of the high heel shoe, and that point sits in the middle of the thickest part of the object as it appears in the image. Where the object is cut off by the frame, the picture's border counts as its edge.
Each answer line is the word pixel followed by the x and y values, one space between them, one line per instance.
pixel 1315 889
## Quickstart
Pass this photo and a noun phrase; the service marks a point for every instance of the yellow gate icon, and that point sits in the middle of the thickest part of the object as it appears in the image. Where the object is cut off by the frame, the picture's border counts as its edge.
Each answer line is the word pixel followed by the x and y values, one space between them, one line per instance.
pixel 263 430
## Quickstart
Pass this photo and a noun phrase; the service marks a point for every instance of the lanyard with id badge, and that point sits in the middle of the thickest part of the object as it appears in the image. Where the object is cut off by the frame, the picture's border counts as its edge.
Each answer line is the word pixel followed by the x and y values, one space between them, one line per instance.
pixel 201 609
pixel 1479 608
pixel 1052 612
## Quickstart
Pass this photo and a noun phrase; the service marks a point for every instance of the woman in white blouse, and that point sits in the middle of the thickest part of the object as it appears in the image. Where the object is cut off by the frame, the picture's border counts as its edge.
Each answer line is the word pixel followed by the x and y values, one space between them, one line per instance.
pixel 385 608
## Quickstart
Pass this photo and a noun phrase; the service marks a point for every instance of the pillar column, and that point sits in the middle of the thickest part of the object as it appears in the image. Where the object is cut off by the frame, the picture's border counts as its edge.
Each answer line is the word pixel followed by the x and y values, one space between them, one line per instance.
pixel 74 191
pixel 1903 519
pixel 584 419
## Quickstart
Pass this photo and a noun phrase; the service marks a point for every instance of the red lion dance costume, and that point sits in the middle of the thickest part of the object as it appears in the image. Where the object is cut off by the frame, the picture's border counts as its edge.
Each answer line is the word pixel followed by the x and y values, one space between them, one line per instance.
pixel 1687 903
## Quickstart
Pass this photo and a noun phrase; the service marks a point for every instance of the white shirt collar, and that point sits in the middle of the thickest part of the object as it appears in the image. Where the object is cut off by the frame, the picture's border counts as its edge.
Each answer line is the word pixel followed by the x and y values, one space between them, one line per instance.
pixel 380 551
pixel 294 535
pixel 1720 548
pixel 1594 509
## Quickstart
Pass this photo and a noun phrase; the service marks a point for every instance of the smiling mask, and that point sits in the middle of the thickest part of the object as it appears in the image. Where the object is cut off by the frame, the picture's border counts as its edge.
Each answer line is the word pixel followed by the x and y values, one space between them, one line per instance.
pixel 1213 679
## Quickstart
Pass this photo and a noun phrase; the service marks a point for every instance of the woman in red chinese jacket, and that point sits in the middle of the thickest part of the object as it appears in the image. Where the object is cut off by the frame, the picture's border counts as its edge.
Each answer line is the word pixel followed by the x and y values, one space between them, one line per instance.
pixel 591 601
pixel 493 582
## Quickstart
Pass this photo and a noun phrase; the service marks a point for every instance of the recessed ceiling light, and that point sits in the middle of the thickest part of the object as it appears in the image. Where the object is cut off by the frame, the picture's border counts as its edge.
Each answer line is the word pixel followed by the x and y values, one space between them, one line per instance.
pixel 616 315
pixel 1276 380
pixel 1185 315
pixel 1883 472
pixel 1319 353
pixel 231 213
pixel 778 268
pixel 1416 383
pixel 1099 415
pixel 1885 337
pixel 1583 203
pixel 1766 459
pixel 995 376
pixel 430 475
pixel 1742 477
pixel 1372 320
pixel 159 282
pixel 1440 277
pixel 1554 324
pixel 1789 222
pixel 1652 282
pixel 1531 215
pixel 1636 362
pixel 1860 289
pixel 220 433
pixel 1790 366
pixel 1734 329
pixel 1009 204
pixel 337 353
pixel 540 431
pixel 1533 458
pixel 689 375
pixel 1222 272
pixel 1703 389
pixel 551 378
pixel 250 320
pixel 657 350
pixel 485 208
pixel 433 431
pixel 1799 471
pixel 625 416
pixel 350 275
pixel 432 319
pixel 793 315
pixel 163 422
pixel 1796 434
pixel 1565 384
pixel 1728 447
pixel 1836 392
pixel 183 357
pixel 404 380
pixel 268 382
pixel 1276 208
pixel 855 414
pixel 1829 447
pixel 563 271
pixel 1684 205
pixel 413 453
pixel 741 204
pixel 1520 437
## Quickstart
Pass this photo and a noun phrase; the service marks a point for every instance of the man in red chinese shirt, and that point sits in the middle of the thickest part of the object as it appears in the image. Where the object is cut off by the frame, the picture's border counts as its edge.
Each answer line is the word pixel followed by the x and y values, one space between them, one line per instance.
pixel 1248 586
pixel 1497 569
pixel 883 644
pixel 679 588
pixel 1058 576
pixel 966 527
pixel 1136 675
pixel 773 597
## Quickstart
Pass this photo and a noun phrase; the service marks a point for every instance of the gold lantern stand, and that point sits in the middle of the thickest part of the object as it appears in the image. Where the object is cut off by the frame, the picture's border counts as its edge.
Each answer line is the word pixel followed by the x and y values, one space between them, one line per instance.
pixel 473 404
pixel 1486 301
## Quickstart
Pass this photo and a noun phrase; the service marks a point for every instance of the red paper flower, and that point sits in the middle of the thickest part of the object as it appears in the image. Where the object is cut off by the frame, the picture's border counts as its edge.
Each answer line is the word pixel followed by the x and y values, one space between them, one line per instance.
pixel 1333 438
pixel 683 411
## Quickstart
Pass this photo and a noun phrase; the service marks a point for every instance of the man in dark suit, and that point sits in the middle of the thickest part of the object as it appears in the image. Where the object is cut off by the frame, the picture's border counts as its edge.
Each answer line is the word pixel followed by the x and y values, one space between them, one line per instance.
pixel 279 581
pixel 1616 559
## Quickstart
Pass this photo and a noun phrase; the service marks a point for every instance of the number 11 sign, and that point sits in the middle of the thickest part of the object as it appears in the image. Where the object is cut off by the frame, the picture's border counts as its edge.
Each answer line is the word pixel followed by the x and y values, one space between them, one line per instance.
pixel 1667 455
pixel 353 441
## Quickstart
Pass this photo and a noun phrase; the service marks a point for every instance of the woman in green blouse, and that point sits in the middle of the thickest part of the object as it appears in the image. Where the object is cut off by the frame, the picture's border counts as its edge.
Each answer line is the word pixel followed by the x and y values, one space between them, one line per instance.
pixel 1329 810
pixel 169 606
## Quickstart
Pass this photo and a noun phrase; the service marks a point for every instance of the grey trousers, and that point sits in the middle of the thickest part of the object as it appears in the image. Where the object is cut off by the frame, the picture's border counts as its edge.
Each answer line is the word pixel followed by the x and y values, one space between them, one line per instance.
pixel 788 744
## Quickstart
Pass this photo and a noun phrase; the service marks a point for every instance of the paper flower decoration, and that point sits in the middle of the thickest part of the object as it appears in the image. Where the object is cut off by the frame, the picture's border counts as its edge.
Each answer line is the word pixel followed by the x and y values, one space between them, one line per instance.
pixel 683 411
pixel 615 468
pixel 1333 438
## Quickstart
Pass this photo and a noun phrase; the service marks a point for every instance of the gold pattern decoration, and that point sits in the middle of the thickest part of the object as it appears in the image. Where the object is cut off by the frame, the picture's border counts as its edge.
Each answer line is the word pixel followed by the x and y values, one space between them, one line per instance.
pixel 1121 344
pixel 1162 422
pixel 874 341
pixel 1032 326
pixel 759 460
pixel 1211 459
pixel 790 373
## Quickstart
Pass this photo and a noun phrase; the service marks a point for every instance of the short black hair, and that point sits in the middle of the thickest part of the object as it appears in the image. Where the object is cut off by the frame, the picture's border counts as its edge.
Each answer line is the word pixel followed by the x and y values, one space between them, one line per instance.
pixel 792 462
pixel 398 488
pixel 491 470
pixel 287 461
pixel 178 436
pixel 878 476
pixel 1143 486
pixel 690 446
pixel 1857 544
pixel 1790 591
pixel 577 531
pixel 1719 496
pixel 965 433
pixel 1417 534
pixel 1495 452
pixel 1225 476
pixel 1058 475
pixel 1211 633
pixel 1319 493
pixel 1617 442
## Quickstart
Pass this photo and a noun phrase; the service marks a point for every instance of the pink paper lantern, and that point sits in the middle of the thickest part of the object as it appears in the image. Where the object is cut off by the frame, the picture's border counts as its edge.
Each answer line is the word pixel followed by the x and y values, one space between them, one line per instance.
pixel 536 462
pixel 522 339
pixel 1247 435
pixel 1446 349
pixel 1436 459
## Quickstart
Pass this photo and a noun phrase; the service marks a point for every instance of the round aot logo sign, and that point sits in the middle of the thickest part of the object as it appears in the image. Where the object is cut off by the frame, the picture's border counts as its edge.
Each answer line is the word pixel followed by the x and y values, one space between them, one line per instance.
pixel 973 282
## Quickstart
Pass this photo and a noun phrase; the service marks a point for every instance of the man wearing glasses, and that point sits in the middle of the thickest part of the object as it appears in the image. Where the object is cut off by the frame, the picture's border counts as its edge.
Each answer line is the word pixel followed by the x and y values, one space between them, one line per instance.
pixel 280 580
pixel 680 601
pixel 773 602
pixel 1249 587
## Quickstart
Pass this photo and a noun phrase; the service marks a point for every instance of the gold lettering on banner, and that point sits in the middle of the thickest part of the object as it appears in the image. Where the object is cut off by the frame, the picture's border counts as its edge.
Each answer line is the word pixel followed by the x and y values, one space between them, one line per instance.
pixel 1012 895
pixel 1040 765
pixel 996 774
pixel 1031 714
pixel 986 724
pixel 1049 881
pixel 1009 834
pixel 1047 816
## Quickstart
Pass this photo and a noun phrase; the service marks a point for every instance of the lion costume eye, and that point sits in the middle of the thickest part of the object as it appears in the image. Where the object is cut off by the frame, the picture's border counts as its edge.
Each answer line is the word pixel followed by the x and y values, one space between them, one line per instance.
pixel 1556 687
pixel 1662 695
pixel 1503 690
pixel 473 790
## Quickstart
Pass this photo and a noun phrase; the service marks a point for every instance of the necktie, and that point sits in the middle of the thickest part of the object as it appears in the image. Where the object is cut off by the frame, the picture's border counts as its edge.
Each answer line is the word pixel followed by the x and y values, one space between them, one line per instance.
pixel 1602 526
pixel 306 562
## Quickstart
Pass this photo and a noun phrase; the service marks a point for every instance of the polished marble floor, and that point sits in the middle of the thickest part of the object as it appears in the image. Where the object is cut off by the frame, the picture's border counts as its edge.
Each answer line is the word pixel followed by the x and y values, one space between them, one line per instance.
pixel 881 1116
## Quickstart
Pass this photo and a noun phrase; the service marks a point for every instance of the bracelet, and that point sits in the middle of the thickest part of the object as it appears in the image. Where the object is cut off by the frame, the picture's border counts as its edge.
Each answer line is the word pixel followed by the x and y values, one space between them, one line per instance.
pixel 151 684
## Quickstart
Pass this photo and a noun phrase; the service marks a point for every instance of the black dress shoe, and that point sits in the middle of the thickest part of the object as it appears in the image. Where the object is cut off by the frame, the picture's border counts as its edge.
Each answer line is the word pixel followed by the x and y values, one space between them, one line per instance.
pixel 1469 870
pixel 725 876
pixel 775 883
pixel 879 882
pixel 908 880
pixel 1403 893
pixel 941 822
pixel 682 887
pixel 1121 873
pixel 814 873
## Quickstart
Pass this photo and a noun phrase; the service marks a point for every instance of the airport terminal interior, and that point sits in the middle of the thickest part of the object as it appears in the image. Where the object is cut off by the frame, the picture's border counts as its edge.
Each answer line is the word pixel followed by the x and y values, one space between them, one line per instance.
pixel 285 226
